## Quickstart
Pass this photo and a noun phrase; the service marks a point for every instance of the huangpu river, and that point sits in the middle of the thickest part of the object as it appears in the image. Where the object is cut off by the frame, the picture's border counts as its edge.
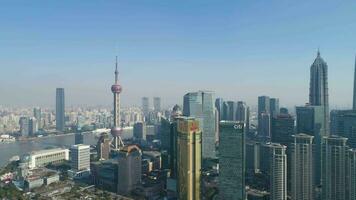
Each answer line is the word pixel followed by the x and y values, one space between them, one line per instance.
pixel 19 148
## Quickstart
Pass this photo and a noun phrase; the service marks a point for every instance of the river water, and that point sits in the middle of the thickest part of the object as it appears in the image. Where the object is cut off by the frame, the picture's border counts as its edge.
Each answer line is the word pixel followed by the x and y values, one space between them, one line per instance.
pixel 18 148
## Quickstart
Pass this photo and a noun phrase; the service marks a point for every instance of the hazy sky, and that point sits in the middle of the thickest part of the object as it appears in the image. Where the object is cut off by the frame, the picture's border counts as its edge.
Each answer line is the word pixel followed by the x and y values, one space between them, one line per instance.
pixel 239 49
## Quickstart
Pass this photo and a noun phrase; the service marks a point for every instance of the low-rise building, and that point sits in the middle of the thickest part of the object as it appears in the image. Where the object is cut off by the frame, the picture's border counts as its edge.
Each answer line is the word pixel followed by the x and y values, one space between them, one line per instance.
pixel 45 157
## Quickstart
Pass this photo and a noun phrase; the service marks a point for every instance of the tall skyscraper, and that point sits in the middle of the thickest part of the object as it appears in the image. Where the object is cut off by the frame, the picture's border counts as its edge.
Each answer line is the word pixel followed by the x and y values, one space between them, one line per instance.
pixel 79 138
pixel 230 115
pixel 354 99
pixel 343 123
pixel 282 129
pixel 80 157
pixel 264 125
pixel 32 126
pixel 116 130
pixel 157 104
pixel 189 158
pixel 333 177
pixel 24 126
pixel 60 106
pixel 38 115
pixel 310 120
pixel 129 169
pixel 278 171
pixel 351 175
pixel 318 91
pixel 139 130
pixel 219 105
pixel 145 106
pixel 263 107
pixel 201 106
pixel 232 160
pixel 274 106
pixel 103 147
pixel 302 167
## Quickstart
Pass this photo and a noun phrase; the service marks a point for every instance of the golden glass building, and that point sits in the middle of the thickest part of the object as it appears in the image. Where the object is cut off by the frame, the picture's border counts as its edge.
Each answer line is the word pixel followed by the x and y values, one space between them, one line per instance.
pixel 188 158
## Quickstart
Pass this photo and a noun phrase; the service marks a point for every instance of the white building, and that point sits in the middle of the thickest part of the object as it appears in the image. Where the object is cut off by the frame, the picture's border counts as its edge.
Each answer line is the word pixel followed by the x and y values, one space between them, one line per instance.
pixel 80 157
pixel 48 156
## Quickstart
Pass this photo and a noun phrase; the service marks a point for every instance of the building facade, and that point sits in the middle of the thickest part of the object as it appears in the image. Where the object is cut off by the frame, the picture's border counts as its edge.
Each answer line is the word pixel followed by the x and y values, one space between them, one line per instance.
pixel 333 177
pixel 302 167
pixel 232 160
pixel 189 158
pixel 129 169
pixel 60 110
pixel 200 105
pixel 80 157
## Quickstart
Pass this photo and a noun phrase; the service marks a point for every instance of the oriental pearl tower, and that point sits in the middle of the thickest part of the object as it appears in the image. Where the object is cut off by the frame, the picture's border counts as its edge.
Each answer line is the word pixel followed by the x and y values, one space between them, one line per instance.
pixel 116 130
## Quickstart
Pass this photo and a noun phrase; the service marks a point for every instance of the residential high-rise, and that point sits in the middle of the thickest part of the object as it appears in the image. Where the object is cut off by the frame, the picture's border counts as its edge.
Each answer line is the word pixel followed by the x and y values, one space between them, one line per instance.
pixel 157 104
pixel 116 130
pixel 145 106
pixel 60 113
pixel 278 171
pixel 103 147
pixel 139 130
pixel 302 167
pixel 201 106
pixel 318 91
pixel 232 160
pixel 189 158
pixel 333 170
pixel 351 175
pixel 24 126
pixel 354 95
pixel 80 157
pixel 129 169
pixel 282 129
pixel 274 106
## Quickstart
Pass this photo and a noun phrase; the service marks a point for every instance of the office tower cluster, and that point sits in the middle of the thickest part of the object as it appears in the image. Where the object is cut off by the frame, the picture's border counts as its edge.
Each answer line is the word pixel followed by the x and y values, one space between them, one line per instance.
pixel 151 115
pixel 233 111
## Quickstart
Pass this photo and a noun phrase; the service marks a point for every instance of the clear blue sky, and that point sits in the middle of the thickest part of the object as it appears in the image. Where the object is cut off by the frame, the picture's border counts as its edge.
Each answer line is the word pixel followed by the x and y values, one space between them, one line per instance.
pixel 239 49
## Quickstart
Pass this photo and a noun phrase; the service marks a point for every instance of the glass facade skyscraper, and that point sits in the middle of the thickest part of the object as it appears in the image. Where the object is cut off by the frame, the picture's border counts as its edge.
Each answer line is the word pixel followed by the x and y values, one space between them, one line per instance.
pixel 232 160
pixel 201 106
pixel 60 106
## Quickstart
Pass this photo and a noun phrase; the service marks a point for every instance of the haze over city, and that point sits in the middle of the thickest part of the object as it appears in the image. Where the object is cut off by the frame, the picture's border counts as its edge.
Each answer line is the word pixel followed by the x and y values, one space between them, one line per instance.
pixel 239 49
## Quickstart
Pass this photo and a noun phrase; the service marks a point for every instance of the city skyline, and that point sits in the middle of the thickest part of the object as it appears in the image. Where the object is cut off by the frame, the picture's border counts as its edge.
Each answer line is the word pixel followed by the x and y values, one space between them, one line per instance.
pixel 58 43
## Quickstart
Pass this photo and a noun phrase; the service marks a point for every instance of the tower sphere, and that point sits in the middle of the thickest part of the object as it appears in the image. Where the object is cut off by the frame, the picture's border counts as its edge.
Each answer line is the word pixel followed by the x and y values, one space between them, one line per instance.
pixel 116 131
pixel 116 88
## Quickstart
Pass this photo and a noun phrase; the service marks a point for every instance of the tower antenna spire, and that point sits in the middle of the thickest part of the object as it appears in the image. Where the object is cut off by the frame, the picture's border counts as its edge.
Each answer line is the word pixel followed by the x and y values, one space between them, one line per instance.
pixel 116 72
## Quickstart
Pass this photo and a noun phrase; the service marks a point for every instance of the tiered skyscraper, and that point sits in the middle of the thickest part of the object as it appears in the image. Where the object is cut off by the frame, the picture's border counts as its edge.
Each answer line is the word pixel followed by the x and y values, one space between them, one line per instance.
pixel 60 123
pixel 116 129
pixel 318 91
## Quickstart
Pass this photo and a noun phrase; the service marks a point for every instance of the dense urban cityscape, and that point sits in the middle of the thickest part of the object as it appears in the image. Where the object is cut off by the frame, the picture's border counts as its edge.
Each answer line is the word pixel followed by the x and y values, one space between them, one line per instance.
pixel 208 149
pixel 178 100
